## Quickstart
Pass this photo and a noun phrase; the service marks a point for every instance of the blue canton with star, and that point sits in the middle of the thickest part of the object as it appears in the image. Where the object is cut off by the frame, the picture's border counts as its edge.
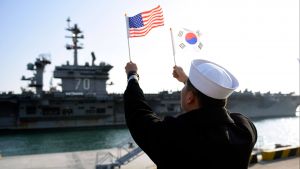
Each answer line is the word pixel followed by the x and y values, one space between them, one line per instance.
pixel 136 21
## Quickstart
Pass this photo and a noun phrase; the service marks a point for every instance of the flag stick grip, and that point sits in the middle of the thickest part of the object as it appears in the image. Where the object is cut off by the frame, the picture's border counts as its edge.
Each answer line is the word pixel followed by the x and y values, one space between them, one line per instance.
pixel 172 39
pixel 127 26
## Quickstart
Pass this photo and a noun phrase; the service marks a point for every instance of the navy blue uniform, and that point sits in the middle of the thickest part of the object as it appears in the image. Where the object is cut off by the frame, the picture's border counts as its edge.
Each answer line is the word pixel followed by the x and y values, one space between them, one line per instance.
pixel 209 137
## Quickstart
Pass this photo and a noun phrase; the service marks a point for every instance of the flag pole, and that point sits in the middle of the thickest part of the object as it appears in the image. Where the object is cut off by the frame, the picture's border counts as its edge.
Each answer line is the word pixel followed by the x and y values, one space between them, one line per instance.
pixel 173 46
pixel 127 26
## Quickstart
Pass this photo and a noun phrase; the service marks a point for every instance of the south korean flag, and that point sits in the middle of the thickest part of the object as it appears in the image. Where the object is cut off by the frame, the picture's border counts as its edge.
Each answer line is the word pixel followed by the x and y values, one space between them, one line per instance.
pixel 188 39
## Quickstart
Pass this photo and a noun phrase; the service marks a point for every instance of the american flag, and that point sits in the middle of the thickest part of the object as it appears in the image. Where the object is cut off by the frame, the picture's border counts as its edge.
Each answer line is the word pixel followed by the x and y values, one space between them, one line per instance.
pixel 140 24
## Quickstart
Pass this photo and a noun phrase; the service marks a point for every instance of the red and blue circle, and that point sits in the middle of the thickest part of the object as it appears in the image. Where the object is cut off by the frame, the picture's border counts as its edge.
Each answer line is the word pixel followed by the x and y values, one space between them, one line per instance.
pixel 191 38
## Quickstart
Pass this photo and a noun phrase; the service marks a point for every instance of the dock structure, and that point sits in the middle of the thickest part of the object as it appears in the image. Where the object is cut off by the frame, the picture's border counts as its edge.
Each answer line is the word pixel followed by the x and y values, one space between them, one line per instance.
pixel 87 160
pixel 107 160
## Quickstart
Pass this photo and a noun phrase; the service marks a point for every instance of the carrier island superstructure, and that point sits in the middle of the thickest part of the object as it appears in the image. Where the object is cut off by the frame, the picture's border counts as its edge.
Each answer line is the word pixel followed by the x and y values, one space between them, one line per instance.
pixel 84 102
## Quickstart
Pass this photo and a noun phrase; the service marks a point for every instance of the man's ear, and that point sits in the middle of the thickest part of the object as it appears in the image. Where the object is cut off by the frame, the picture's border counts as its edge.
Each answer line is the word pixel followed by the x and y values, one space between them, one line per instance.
pixel 190 97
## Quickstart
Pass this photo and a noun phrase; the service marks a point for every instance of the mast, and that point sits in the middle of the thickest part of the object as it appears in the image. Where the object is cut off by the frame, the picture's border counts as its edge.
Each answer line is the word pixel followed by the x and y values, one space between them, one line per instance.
pixel 76 34
pixel 82 79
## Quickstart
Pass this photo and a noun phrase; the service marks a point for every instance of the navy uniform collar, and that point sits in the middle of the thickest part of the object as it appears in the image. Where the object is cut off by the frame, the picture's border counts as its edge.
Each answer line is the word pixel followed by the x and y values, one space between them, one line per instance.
pixel 208 115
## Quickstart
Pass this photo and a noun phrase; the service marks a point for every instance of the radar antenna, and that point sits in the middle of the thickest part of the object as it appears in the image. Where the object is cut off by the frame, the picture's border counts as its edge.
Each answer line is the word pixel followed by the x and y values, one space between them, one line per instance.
pixel 68 20
pixel 75 36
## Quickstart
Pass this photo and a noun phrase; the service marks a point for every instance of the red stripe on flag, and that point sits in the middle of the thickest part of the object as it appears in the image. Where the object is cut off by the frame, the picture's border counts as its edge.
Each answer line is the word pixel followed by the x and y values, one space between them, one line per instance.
pixel 151 19
pixel 145 32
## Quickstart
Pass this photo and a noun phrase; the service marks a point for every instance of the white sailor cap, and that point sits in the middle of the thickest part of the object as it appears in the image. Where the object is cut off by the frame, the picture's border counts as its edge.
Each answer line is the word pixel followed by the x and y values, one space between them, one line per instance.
pixel 211 79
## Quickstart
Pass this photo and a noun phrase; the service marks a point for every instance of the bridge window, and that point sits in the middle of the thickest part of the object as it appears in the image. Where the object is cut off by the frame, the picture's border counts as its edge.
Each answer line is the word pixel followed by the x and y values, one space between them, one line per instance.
pixel 67 111
pixel 30 110
pixel 101 110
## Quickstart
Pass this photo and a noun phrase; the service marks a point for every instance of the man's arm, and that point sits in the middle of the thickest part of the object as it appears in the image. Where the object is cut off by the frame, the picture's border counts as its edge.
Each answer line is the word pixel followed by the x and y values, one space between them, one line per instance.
pixel 150 132
pixel 134 100
pixel 146 128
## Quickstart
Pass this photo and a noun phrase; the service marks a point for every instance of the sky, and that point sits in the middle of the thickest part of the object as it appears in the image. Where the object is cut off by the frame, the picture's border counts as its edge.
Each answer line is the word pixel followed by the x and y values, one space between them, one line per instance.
pixel 256 40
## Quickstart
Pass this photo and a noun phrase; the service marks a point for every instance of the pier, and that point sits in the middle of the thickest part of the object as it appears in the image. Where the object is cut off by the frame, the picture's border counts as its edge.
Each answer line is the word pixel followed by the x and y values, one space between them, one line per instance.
pixel 87 160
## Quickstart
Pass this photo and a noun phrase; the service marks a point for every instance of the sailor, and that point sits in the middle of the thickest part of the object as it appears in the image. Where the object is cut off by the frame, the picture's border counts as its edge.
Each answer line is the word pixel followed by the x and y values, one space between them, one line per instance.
pixel 206 135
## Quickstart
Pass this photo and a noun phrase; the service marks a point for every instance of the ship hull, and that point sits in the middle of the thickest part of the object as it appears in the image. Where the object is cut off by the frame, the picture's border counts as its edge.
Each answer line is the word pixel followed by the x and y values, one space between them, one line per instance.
pixel 264 106
pixel 20 112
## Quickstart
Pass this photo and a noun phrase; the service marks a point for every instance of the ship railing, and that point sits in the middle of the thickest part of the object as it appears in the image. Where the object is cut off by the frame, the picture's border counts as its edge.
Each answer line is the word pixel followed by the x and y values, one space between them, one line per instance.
pixel 106 161
pixel 6 93
pixel 131 150
pixel 126 152
pixel 130 156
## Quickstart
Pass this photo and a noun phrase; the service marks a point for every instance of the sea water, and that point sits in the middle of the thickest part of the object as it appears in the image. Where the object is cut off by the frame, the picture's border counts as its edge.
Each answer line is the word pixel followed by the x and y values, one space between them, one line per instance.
pixel 273 131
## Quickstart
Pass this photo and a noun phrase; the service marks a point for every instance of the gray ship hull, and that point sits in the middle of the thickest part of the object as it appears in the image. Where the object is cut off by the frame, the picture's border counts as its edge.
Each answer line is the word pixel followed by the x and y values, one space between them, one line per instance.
pixel 264 105
pixel 67 111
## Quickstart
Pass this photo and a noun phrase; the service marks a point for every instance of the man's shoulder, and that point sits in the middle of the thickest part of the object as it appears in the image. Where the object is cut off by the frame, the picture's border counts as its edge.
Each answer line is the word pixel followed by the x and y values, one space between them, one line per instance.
pixel 243 122
pixel 239 118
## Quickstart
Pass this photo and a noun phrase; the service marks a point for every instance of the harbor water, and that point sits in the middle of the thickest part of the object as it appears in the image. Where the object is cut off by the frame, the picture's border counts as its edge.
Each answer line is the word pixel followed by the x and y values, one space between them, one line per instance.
pixel 273 131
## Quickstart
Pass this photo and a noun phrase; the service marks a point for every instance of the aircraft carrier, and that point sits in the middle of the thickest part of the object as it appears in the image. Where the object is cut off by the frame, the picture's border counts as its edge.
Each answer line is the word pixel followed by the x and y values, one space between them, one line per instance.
pixel 84 102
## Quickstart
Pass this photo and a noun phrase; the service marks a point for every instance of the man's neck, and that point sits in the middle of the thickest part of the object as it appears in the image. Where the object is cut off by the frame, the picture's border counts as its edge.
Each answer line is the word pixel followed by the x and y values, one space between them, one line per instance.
pixel 193 107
